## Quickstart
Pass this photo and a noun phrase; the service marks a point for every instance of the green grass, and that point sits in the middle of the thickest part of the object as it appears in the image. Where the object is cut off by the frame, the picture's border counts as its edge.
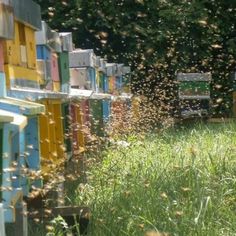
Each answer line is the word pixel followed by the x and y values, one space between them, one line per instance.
pixel 182 181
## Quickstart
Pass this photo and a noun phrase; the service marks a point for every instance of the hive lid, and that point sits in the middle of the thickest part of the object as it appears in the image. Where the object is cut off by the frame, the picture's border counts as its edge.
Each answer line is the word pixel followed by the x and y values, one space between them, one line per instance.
pixel 13 118
pixel 66 41
pixel 194 77
pixel 36 94
pixel 21 106
pixel 101 96
pixel 80 93
pixel 28 12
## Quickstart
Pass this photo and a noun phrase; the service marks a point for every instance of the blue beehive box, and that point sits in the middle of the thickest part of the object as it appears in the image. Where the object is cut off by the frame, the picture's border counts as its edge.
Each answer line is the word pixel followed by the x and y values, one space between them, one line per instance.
pixel 43 52
pixel 106 107
pixel 12 149
pixel 105 83
pixel 32 110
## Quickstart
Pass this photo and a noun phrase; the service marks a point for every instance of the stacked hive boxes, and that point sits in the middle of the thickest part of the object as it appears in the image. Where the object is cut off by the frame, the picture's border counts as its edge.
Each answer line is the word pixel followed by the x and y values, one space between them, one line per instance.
pixel 48 45
pixel 63 61
pixel 110 72
pixel 102 79
pixel 16 137
pixel 11 130
pixel 82 68
pixel 51 68
pixel 7 126
pixel 20 53
pixel 126 79
pixel 194 94
pixel 69 99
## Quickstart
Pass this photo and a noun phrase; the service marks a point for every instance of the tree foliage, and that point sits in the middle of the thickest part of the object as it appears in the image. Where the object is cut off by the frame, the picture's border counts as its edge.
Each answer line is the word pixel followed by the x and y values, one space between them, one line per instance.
pixel 157 38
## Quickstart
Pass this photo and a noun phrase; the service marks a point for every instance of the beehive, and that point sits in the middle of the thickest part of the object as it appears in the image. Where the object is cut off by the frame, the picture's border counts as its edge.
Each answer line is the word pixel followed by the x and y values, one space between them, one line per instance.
pixel 52 136
pixel 48 37
pixel 56 86
pixel 194 93
pixel 77 128
pixel 28 12
pixel 111 84
pixel 66 126
pixel 66 41
pixel 82 58
pixel 83 78
pixel 64 71
pixel 12 48
pixel 33 148
pixel 30 44
pixel 30 141
pixel 96 119
pixel 54 68
pixel 44 68
pixel 11 135
pixel 194 85
pixel 20 58
pixel 106 108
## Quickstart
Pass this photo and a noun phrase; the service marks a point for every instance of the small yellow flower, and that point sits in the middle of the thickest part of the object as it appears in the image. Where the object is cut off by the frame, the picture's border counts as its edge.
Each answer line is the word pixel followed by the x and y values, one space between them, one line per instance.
pixel 164 195
pixel 179 213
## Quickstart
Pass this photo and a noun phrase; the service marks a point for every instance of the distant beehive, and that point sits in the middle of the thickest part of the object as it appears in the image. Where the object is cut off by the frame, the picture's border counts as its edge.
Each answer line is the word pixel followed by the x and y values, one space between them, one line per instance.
pixel 63 60
pixel 48 46
pixel 194 94
pixel 83 78
pixel 82 58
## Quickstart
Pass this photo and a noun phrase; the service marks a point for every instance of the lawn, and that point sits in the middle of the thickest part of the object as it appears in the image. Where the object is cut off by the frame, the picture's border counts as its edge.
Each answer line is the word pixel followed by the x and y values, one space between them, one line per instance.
pixel 181 181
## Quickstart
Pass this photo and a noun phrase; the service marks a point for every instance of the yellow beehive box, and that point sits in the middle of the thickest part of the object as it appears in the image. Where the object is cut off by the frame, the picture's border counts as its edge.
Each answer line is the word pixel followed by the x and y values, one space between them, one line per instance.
pixel 20 57
pixel 44 137
pixel 11 48
pixel 48 138
pixel 77 128
pixel 59 131
pixel 18 73
pixel 52 131
pixel 56 86
pixel 30 47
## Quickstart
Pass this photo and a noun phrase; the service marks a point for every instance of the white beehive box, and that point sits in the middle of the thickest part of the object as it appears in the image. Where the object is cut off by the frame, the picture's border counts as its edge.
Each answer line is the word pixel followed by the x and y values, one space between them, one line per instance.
pixel 126 70
pixel 102 64
pixel 42 35
pixel 119 71
pixel 79 78
pixel 48 37
pixel 55 44
pixel 82 58
pixel 97 61
pixel 111 69
pixel 66 41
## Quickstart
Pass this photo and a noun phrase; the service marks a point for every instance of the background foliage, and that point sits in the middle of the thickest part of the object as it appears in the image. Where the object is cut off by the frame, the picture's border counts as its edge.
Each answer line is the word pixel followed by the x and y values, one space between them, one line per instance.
pixel 157 38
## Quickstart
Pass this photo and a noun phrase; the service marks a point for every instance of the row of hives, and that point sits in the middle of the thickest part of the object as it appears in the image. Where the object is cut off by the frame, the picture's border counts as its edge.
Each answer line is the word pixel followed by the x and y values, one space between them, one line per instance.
pixel 54 100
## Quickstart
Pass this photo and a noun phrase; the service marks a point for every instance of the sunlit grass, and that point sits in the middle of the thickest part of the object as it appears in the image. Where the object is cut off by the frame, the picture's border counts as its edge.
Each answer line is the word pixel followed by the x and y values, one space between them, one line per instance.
pixel 181 181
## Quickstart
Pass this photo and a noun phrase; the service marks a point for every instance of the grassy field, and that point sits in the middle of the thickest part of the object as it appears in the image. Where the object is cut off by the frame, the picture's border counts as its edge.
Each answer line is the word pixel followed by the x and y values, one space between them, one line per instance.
pixel 182 182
